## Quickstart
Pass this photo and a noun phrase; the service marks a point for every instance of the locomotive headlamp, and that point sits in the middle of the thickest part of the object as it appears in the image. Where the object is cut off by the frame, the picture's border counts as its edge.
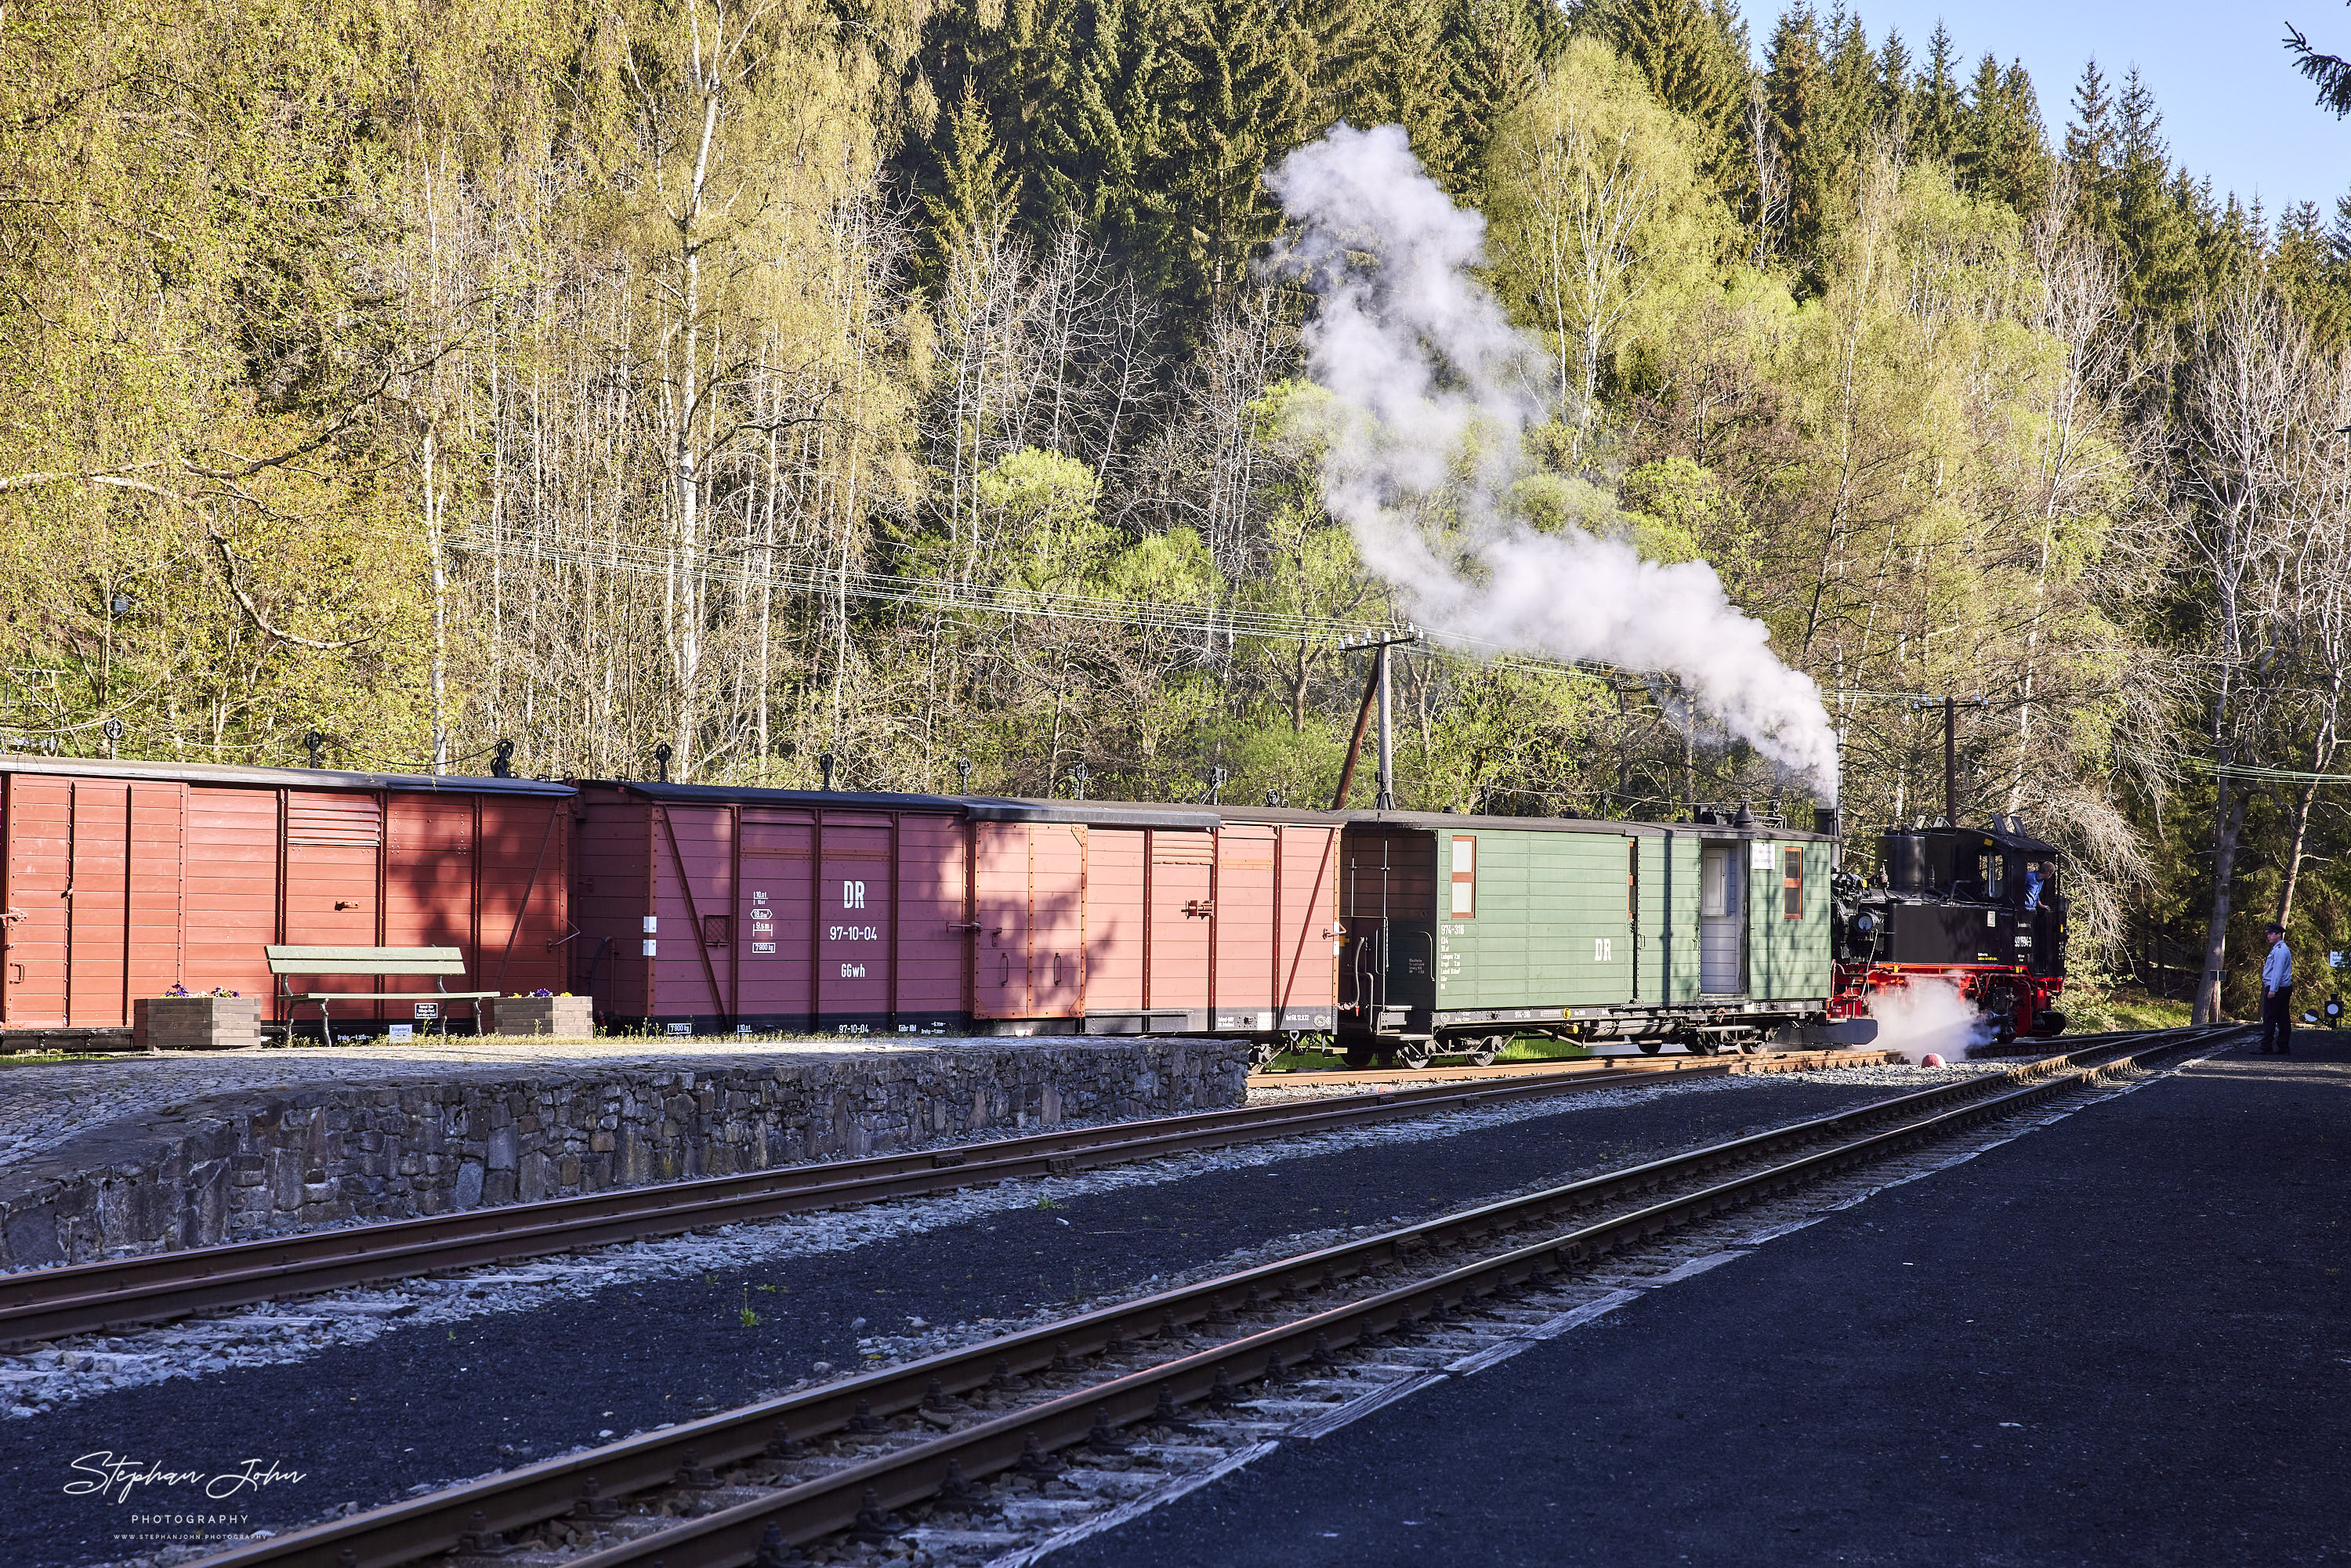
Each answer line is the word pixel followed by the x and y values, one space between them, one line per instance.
pixel 2333 1010
pixel 1865 924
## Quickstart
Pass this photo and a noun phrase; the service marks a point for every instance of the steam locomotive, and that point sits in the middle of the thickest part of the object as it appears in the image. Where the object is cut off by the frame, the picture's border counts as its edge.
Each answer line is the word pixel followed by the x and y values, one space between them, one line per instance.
pixel 1980 909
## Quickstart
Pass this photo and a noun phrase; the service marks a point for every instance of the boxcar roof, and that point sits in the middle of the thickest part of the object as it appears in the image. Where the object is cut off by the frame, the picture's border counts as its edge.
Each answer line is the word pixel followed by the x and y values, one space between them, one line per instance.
pixel 979 808
pixel 1443 822
pixel 283 778
pixel 749 794
pixel 1103 813
pixel 1149 814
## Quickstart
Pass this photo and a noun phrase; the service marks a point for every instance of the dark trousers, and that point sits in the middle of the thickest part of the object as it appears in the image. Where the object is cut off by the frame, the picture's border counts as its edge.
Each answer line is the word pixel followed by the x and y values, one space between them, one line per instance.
pixel 2277 1019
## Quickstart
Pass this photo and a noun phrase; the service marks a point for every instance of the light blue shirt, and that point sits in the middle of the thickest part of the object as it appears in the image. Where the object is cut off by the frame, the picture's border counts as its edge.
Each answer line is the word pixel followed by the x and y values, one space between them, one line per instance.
pixel 2277 969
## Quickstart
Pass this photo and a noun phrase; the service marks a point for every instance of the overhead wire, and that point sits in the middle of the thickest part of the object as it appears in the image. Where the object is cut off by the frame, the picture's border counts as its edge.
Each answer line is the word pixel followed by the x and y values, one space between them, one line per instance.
pixel 948 595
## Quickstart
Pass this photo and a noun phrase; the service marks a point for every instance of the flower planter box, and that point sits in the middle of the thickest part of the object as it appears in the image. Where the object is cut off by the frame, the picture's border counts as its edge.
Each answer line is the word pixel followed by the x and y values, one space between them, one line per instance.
pixel 572 1017
pixel 195 1023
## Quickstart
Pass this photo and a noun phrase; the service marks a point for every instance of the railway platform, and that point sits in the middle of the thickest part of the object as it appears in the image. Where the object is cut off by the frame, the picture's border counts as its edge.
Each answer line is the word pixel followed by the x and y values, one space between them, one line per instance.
pixel 2124 1336
pixel 139 1154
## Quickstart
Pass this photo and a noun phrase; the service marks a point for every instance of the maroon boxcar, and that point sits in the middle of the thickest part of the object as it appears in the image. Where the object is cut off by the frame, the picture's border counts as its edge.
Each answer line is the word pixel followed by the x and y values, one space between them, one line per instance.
pixel 119 880
pixel 705 908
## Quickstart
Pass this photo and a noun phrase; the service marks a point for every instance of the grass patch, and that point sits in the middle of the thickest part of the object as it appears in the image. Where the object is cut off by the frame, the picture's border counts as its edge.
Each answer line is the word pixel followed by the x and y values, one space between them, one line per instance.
pixel 1523 1048
pixel 48 1058
pixel 2092 1007
pixel 1543 1048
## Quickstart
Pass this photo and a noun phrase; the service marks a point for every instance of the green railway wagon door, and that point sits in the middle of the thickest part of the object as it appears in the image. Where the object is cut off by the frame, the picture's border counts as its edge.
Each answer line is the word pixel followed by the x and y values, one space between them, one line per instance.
pixel 1721 923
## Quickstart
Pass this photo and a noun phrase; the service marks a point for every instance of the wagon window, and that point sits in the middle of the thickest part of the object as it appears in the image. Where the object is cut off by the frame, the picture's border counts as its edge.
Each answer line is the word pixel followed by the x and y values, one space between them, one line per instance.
pixel 1465 878
pixel 1791 882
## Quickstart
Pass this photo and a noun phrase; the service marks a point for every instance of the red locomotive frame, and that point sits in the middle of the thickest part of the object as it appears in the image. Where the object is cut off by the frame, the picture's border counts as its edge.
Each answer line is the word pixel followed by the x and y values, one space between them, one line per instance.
pixel 2011 995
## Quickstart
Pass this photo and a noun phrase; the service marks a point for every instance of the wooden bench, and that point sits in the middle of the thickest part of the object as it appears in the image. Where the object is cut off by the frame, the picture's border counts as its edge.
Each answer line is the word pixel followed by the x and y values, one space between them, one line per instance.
pixel 285 962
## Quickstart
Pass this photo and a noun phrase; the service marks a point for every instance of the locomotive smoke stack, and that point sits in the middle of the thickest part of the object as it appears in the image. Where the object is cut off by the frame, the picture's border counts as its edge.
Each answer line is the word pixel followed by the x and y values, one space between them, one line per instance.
pixel 1746 818
pixel 1423 366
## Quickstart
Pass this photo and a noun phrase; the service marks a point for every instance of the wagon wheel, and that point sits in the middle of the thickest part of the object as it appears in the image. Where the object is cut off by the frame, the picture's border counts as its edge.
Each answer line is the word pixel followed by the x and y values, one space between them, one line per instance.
pixel 1999 1003
pixel 1488 1048
pixel 1701 1046
pixel 1361 1056
pixel 1418 1053
pixel 1651 1047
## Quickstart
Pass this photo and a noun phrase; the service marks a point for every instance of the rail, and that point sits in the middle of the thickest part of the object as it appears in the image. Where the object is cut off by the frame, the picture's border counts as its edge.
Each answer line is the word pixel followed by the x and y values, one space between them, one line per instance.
pixel 82 1298
pixel 585 1486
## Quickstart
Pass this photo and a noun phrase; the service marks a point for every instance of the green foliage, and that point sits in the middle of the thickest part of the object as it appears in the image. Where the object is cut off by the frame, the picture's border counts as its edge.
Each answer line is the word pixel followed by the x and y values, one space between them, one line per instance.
pixel 572 374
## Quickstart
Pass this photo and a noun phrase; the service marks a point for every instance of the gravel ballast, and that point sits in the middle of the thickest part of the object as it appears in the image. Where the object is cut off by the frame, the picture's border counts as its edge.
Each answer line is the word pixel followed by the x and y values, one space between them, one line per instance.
pixel 384 1391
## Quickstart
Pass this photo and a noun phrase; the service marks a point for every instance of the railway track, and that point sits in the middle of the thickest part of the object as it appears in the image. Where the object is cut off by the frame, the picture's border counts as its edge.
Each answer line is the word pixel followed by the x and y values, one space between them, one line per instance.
pixel 985 1431
pixel 1331 1077
pixel 49 1303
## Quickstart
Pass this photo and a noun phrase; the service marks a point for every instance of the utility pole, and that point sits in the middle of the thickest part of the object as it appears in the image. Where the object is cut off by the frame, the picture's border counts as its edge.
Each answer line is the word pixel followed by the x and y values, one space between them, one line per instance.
pixel 1376 691
pixel 1386 801
pixel 1950 761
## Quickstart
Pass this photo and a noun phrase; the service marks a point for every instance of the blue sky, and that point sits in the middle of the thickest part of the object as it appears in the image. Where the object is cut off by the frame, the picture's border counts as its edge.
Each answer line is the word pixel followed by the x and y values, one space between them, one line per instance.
pixel 2233 106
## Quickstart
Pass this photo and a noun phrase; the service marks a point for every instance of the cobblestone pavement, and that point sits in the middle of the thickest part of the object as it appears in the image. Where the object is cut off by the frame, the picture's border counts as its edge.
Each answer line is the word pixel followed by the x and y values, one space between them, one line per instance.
pixel 44 1103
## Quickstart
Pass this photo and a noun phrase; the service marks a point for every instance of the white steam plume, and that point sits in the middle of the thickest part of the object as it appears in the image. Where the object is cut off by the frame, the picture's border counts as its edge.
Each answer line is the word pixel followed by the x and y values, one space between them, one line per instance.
pixel 1929 1016
pixel 1431 381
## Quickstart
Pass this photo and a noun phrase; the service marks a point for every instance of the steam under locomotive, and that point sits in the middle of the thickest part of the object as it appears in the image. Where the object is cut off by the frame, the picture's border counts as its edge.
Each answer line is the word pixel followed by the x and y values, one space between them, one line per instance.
pixel 1980 908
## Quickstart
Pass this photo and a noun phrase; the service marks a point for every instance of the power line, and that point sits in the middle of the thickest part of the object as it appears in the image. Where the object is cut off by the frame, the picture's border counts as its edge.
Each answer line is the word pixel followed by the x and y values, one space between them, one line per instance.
pixel 948 596
pixel 2251 773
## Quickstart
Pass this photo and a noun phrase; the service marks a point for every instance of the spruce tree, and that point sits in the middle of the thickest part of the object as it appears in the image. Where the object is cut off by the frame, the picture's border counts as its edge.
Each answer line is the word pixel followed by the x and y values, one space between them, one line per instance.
pixel 1009 56
pixel 2309 273
pixel 1346 53
pixel 1497 50
pixel 1409 81
pixel 2003 151
pixel 2025 164
pixel 2089 152
pixel 2330 74
pixel 1934 103
pixel 1853 90
pixel 1682 48
pixel 1892 113
pixel 977 192
pixel 1796 99
pixel 1234 104
pixel 2152 216
pixel 1096 131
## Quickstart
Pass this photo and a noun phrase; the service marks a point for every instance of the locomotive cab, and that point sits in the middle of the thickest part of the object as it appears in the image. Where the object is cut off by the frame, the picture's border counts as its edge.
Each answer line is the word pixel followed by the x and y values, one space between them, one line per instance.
pixel 1983 906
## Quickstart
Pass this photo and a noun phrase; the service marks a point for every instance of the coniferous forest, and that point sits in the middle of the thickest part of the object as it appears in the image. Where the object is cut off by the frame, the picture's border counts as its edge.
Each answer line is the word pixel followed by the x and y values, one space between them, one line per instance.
pixel 904 387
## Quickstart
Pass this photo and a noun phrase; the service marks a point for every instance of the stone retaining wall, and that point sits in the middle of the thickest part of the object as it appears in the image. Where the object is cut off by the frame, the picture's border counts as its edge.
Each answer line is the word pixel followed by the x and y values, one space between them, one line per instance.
pixel 234 1167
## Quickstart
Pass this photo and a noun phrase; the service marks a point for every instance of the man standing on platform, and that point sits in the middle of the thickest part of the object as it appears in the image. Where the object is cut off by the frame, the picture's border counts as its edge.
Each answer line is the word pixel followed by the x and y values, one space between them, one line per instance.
pixel 2277 992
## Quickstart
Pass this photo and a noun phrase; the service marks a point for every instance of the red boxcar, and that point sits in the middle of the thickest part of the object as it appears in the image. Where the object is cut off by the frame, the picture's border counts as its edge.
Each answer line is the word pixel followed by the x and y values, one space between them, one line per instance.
pixel 705 908
pixel 119 880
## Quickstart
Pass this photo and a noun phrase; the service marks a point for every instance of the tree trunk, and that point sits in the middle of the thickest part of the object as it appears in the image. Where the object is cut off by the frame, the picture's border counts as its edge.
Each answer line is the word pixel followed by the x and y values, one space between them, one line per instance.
pixel 2230 824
